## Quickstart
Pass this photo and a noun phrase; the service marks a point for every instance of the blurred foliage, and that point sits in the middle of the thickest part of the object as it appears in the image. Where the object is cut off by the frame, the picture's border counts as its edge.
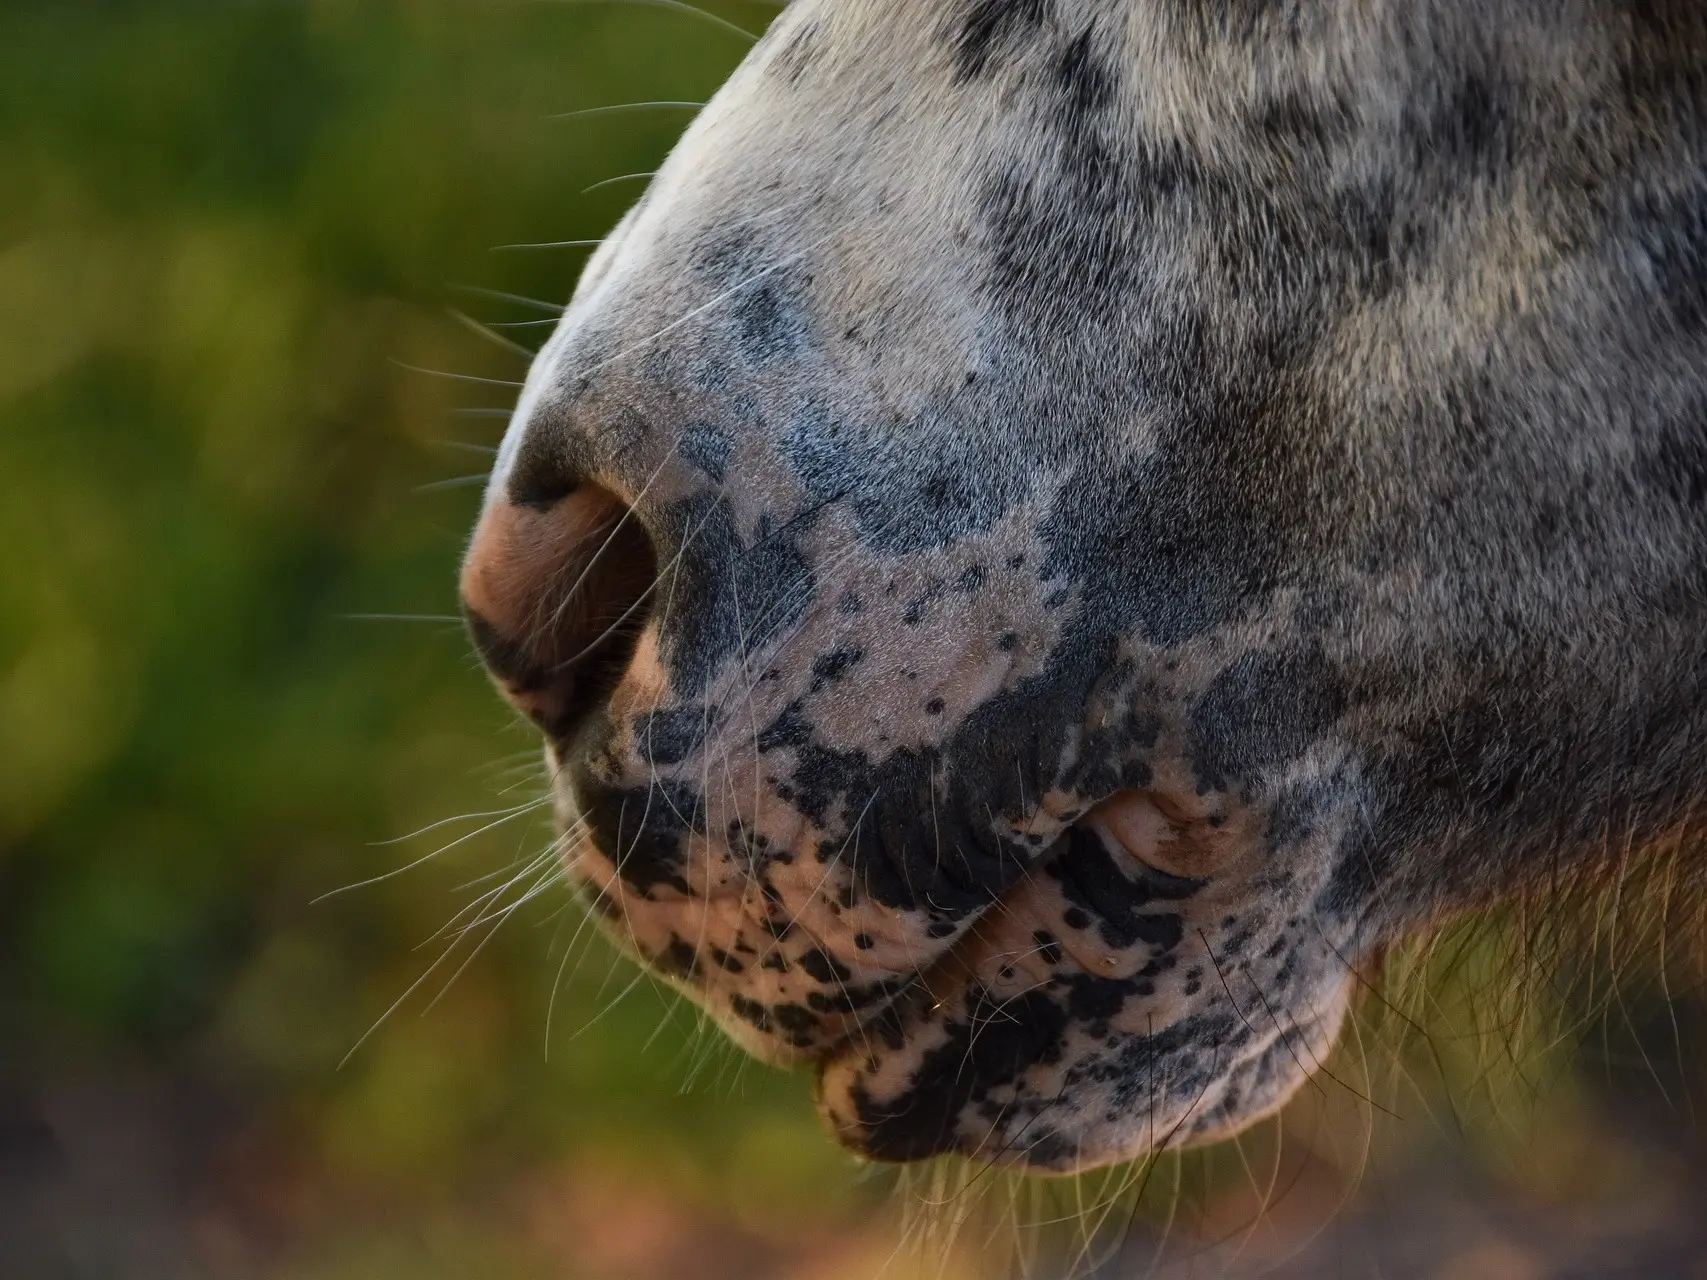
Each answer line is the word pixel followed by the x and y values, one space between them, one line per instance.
pixel 233 236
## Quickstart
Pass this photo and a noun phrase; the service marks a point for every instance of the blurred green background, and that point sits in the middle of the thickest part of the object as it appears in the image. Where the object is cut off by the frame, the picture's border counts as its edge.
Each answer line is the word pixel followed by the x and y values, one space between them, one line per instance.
pixel 232 236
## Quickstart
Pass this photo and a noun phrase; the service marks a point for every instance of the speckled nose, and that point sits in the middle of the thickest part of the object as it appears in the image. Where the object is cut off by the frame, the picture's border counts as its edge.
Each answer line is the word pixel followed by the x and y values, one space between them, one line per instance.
pixel 555 589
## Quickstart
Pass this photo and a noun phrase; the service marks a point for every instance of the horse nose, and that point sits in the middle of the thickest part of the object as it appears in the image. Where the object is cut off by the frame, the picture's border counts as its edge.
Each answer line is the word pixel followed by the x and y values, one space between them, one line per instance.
pixel 555 589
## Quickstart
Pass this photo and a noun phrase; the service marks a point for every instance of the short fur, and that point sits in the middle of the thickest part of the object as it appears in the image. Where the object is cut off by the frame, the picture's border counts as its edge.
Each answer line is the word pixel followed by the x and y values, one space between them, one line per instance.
pixel 1149 500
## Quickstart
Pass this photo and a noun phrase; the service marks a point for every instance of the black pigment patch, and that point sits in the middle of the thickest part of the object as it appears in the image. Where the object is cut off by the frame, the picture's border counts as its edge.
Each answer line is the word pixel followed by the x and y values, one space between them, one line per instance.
pixel 1671 227
pixel 1672 462
pixel 917 833
pixel 958 488
pixel 767 326
pixel 992 1046
pixel 1188 1054
pixel 1303 126
pixel 1374 243
pixel 1470 127
pixel 1266 708
pixel 1301 810
pixel 1096 1000
pixel 791 728
pixel 1046 1149
pixel 643 833
pixel 678 959
pixel 823 966
pixel 796 58
pixel 725 588
pixel 1091 881
pixel 751 1011
pixel 708 447
pixel 986 25
pixel 828 668
pixel 1084 79
pixel 847 999
pixel 669 737
pixel 1158 885
pixel 799 1021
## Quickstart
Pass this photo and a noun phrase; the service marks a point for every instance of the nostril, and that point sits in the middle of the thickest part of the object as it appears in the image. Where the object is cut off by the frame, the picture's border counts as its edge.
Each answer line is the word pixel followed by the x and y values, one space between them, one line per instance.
pixel 555 595
pixel 511 664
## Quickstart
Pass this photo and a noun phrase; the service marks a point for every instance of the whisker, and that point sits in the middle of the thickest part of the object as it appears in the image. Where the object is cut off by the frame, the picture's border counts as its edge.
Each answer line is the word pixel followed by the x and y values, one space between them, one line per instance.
pixel 696 312
pixel 520 299
pixel 621 177
pixel 408 866
pixel 622 107
pixel 679 6
pixel 475 910
pixel 509 811
pixel 474 954
pixel 455 482
pixel 550 244
pixel 546 871
pixel 573 948
pixel 469 322
pixel 456 377
pixel 641 975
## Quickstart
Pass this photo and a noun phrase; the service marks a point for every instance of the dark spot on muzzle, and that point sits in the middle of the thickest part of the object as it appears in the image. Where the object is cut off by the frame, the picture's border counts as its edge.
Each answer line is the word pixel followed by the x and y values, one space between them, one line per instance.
pixel 991 1046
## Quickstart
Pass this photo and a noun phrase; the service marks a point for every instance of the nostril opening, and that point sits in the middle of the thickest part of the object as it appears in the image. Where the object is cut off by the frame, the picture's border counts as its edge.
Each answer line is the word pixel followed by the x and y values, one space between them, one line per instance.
pixel 618 600
pixel 510 662
pixel 555 600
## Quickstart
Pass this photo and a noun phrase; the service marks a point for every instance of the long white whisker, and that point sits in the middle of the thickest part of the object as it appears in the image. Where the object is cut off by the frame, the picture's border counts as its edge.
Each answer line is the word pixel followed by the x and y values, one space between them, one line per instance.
pixel 678 6
pixel 446 848
pixel 460 817
pixel 520 299
pixel 470 323
pixel 621 107
pixel 478 948
pixel 621 177
pixel 455 377
pixel 543 860
pixel 454 482
pixel 549 244
pixel 698 311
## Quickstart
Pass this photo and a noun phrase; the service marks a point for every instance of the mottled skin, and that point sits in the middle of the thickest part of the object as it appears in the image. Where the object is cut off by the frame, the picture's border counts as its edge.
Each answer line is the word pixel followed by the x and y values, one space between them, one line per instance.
pixel 1104 512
